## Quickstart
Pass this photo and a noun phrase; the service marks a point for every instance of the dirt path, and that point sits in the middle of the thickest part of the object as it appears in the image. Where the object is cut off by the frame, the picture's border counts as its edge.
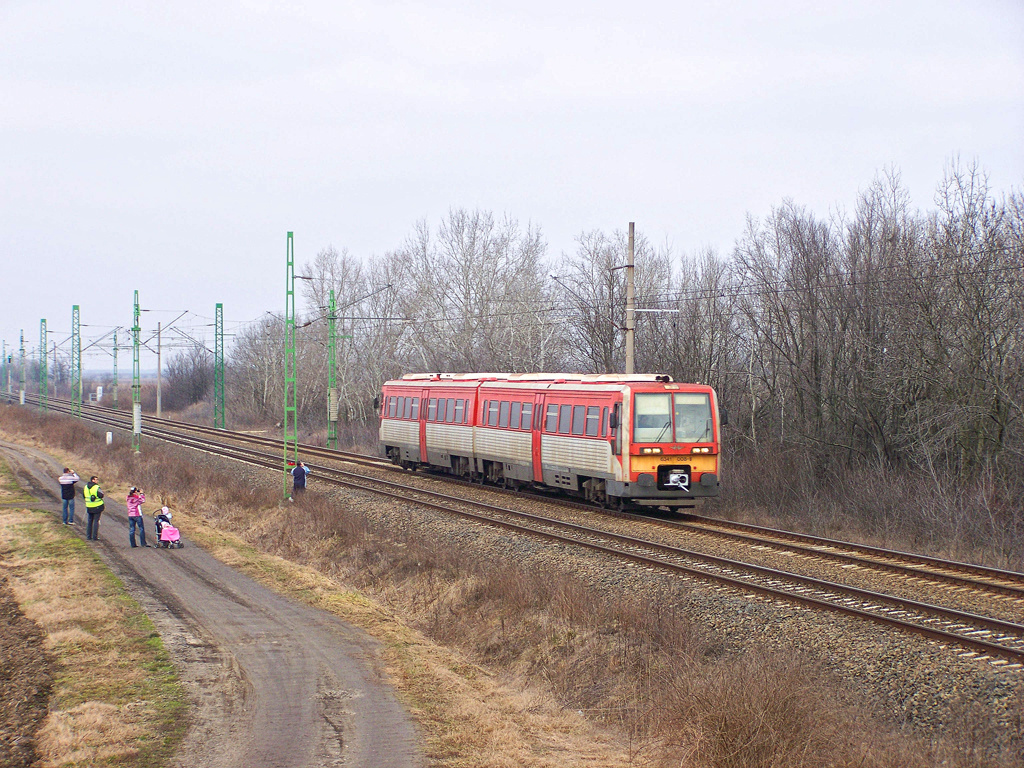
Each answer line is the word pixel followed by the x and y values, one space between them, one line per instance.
pixel 273 682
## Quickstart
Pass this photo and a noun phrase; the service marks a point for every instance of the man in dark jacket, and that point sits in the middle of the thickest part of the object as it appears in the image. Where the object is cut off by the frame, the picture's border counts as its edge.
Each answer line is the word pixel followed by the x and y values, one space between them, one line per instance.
pixel 67 494
pixel 299 475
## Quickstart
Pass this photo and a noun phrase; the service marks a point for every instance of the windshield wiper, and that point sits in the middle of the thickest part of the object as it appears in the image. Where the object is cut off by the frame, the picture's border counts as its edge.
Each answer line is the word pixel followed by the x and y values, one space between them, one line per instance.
pixel 667 425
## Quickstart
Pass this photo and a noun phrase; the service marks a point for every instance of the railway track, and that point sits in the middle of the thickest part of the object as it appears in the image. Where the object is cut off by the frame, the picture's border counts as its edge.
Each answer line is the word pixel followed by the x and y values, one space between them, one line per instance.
pixel 985 637
pixel 1003 583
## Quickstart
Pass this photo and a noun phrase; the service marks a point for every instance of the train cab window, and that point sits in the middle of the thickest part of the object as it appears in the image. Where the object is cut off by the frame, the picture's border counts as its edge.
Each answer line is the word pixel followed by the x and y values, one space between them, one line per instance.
pixel 693 417
pixel 492 413
pixel 460 411
pixel 604 421
pixel 516 415
pixel 432 409
pixel 503 414
pixel 416 408
pixel 564 419
pixel 528 414
pixel 593 416
pixel 652 418
pixel 551 420
pixel 578 419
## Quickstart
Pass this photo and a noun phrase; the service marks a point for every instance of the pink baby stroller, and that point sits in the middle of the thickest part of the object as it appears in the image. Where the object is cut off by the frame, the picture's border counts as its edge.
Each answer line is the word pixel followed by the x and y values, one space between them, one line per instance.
pixel 167 535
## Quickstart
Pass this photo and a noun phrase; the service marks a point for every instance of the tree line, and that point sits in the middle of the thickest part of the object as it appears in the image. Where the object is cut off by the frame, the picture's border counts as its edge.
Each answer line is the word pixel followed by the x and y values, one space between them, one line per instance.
pixel 883 337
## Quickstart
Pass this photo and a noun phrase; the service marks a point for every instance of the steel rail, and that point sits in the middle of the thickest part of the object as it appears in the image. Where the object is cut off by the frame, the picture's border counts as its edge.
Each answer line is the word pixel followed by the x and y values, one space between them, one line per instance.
pixel 915 560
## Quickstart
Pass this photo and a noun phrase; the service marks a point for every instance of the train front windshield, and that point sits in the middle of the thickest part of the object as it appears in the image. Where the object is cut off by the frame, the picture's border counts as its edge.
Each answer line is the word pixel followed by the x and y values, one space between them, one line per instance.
pixel 683 417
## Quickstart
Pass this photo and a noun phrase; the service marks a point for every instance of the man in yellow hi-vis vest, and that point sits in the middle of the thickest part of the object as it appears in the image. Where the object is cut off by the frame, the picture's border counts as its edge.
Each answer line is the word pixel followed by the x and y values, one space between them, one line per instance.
pixel 94 508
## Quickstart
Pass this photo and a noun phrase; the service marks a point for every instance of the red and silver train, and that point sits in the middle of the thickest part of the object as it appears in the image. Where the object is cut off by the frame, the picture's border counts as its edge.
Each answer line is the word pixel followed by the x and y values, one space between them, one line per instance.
pixel 612 439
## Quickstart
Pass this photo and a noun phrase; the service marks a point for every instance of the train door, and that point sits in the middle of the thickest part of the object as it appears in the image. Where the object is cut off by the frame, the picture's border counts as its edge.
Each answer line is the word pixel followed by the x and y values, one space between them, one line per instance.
pixel 615 430
pixel 424 394
pixel 538 421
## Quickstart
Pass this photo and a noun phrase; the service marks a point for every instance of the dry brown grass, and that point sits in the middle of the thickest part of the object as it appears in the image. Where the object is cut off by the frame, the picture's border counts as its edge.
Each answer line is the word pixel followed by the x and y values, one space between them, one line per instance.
pixel 508 667
pixel 974 521
pixel 116 700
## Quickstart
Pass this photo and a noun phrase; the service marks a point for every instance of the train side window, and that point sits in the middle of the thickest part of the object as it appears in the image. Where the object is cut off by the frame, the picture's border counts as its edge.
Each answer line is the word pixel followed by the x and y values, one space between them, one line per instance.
pixel 503 414
pixel 578 419
pixel 449 415
pixel 460 411
pixel 432 409
pixel 604 421
pixel 593 417
pixel 391 406
pixel 492 414
pixel 400 410
pixel 551 420
pixel 564 419
pixel 408 407
pixel 517 415
pixel 528 414
pixel 416 408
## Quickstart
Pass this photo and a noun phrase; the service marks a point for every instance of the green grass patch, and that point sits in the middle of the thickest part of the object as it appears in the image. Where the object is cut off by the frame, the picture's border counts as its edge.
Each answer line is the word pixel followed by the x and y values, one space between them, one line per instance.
pixel 10 491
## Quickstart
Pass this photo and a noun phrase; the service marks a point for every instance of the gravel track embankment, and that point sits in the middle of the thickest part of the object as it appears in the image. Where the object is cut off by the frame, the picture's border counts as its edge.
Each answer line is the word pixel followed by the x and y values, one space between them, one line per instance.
pixel 913 681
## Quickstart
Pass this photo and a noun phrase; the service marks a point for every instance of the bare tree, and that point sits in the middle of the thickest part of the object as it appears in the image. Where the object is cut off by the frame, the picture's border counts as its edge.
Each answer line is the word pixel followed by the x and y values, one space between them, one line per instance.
pixel 477 293
pixel 189 377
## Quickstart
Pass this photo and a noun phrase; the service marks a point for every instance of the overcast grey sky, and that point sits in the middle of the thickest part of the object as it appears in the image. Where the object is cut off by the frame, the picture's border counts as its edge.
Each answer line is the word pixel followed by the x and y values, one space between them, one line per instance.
pixel 169 147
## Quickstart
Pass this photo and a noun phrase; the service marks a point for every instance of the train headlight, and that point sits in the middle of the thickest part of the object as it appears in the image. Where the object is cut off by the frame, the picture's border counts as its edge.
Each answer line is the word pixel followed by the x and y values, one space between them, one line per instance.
pixel 705 449
pixel 650 450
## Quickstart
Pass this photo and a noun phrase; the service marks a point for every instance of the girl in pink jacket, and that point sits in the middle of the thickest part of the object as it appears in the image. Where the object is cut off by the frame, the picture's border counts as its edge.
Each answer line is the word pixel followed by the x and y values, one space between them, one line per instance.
pixel 134 501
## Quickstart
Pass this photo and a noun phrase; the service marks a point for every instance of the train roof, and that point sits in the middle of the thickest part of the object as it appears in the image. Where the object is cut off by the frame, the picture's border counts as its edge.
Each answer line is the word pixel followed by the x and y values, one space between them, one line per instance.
pixel 596 378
